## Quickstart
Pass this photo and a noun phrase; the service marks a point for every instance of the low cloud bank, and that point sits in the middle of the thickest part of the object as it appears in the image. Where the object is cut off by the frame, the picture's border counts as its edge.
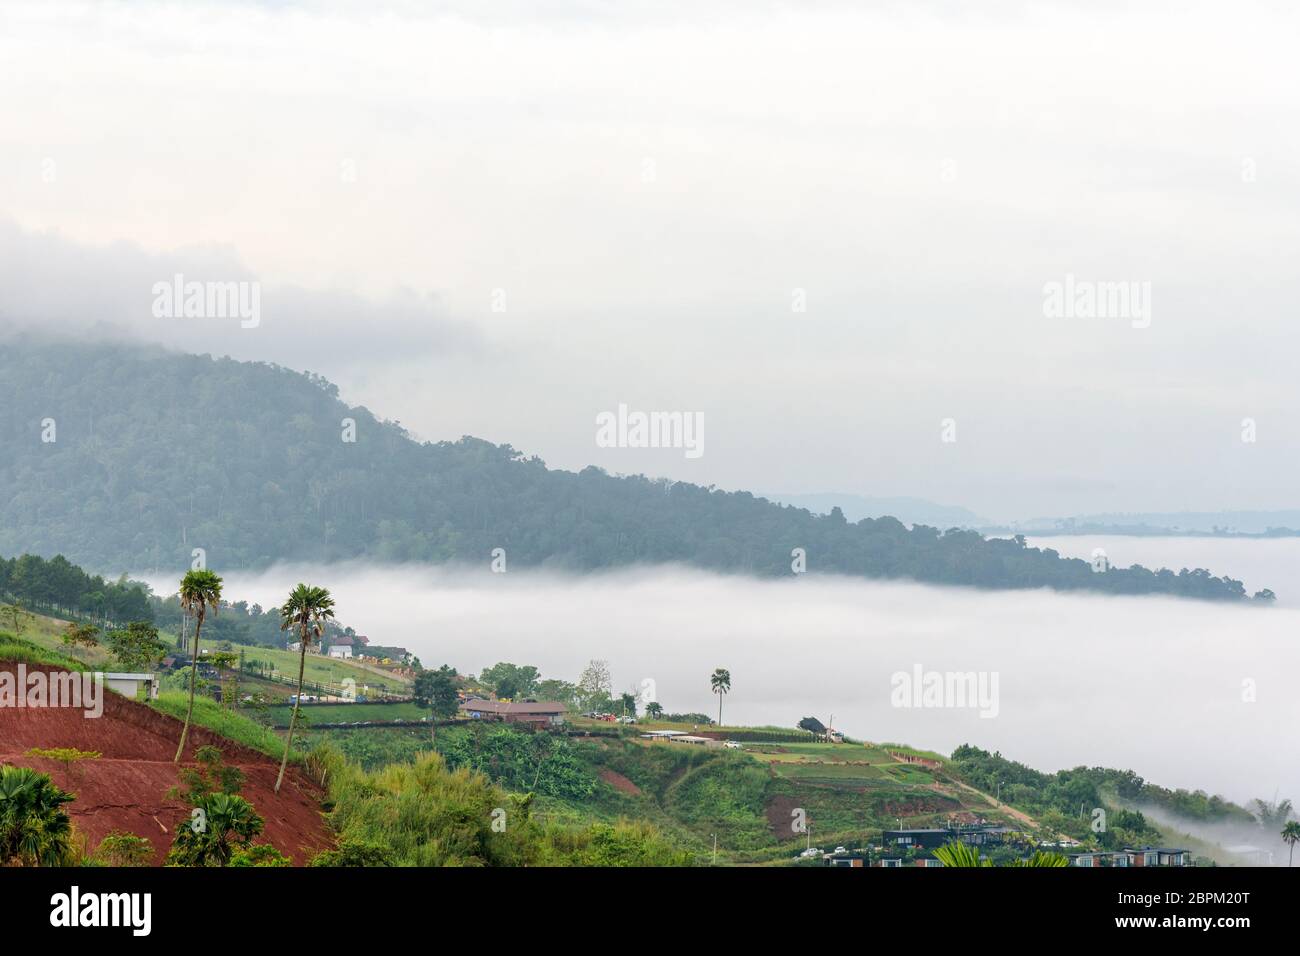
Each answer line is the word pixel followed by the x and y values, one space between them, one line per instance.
pixel 1186 693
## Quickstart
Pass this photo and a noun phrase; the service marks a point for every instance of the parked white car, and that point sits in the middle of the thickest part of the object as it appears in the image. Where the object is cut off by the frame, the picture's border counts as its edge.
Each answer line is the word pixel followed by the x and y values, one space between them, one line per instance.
pixel 733 745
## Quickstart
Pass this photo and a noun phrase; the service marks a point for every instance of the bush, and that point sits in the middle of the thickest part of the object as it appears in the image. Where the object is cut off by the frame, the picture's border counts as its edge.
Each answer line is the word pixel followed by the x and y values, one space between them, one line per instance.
pixel 354 853
pixel 120 848
pixel 259 854
pixel 424 814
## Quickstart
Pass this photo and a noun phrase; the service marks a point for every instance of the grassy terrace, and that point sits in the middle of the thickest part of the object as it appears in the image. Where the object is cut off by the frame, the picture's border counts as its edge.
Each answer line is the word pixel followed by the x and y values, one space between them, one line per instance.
pixel 318 714
pixel 45 632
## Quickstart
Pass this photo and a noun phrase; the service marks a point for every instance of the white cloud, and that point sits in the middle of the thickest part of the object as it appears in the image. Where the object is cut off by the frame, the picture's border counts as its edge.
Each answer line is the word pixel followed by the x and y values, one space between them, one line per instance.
pixel 920 172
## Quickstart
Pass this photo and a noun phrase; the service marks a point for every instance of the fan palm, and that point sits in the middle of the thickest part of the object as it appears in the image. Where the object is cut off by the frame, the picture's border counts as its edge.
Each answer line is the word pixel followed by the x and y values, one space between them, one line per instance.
pixel 306 611
pixel 965 855
pixel 200 590
pixel 34 829
pixel 228 822
pixel 960 855
pixel 1044 858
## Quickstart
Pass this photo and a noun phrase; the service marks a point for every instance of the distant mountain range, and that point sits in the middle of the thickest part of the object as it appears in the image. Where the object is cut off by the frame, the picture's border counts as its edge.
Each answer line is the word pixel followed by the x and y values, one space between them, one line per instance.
pixel 125 457
pixel 1224 523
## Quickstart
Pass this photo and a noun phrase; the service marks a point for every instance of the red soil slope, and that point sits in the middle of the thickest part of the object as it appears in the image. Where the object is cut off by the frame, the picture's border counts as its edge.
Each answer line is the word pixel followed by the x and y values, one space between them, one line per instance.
pixel 125 789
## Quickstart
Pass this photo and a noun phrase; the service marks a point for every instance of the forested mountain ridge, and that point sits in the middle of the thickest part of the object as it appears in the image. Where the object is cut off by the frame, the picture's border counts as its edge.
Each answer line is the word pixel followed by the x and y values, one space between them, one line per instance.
pixel 127 457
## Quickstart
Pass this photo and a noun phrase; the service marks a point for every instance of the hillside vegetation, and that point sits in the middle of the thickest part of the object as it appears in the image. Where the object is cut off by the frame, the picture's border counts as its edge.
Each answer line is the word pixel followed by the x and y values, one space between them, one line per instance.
pixel 123 456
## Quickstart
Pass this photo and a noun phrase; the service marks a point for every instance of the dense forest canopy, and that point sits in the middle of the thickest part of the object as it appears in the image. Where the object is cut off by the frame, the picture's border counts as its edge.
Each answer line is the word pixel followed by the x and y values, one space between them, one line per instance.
pixel 127 457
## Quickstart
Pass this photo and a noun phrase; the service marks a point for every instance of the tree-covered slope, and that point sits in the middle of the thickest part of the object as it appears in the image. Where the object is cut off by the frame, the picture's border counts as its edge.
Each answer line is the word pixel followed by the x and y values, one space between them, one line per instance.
pixel 156 453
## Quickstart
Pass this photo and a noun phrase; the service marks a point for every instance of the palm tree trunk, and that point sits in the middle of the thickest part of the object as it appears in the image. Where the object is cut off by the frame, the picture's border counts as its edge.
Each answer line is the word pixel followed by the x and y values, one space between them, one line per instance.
pixel 719 710
pixel 302 665
pixel 194 680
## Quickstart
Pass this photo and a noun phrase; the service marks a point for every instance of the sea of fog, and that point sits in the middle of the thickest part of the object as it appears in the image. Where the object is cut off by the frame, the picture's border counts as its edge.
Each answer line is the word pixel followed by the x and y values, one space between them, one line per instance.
pixel 1187 693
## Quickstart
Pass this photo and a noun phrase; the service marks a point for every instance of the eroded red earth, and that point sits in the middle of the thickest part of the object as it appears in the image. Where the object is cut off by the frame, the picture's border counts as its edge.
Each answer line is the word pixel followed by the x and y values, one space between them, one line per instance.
pixel 125 789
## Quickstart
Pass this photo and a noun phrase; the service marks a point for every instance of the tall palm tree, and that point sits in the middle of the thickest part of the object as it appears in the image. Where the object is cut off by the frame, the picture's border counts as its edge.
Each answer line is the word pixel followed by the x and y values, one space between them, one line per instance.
pixel 200 590
pixel 721 684
pixel 306 611
pixel 1291 836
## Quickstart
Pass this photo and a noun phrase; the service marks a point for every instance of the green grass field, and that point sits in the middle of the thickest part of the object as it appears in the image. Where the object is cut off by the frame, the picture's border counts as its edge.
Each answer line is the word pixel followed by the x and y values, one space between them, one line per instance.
pixel 46 632
pixel 208 713
pixel 322 670
pixel 317 714
pixel 22 650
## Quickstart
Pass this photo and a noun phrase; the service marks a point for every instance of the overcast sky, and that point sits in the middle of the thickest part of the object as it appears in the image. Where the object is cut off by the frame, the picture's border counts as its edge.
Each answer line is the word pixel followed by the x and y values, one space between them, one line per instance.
pixel 650 192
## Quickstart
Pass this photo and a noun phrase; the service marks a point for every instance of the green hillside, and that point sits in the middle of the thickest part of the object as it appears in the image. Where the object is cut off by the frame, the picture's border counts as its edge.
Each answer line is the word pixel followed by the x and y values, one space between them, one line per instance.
pixel 848 792
pixel 128 457
pixel 46 633
pixel 627 800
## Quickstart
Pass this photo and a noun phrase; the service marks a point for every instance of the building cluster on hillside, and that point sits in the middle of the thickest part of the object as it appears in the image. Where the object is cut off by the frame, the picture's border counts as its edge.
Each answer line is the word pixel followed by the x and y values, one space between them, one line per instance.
pixel 1133 856
pixel 345 646
pixel 976 834
pixel 927 839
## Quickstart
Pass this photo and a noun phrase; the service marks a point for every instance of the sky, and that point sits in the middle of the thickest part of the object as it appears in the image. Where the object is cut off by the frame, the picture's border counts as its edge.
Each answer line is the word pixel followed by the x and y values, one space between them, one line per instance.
pixel 828 232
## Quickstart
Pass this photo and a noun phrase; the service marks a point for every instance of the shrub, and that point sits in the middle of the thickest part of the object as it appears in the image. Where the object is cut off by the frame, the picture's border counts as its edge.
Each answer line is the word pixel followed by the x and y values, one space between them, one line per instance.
pixel 259 854
pixel 120 848
pixel 354 853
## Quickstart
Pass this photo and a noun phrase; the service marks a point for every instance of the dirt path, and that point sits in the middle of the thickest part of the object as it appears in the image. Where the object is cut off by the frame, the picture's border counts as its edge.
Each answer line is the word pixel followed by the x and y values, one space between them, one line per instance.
pixel 1010 811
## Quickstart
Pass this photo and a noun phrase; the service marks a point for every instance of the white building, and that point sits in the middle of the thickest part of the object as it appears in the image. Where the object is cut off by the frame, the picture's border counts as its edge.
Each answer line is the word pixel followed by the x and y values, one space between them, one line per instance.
pixel 128 685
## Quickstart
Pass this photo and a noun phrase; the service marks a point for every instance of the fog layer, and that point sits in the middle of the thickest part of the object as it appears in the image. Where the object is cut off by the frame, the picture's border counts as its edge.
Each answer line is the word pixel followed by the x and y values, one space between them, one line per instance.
pixel 1188 694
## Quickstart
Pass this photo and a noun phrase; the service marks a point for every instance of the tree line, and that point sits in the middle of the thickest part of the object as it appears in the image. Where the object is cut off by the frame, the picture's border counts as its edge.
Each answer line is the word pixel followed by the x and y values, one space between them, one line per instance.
pixel 291 472
pixel 59 588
